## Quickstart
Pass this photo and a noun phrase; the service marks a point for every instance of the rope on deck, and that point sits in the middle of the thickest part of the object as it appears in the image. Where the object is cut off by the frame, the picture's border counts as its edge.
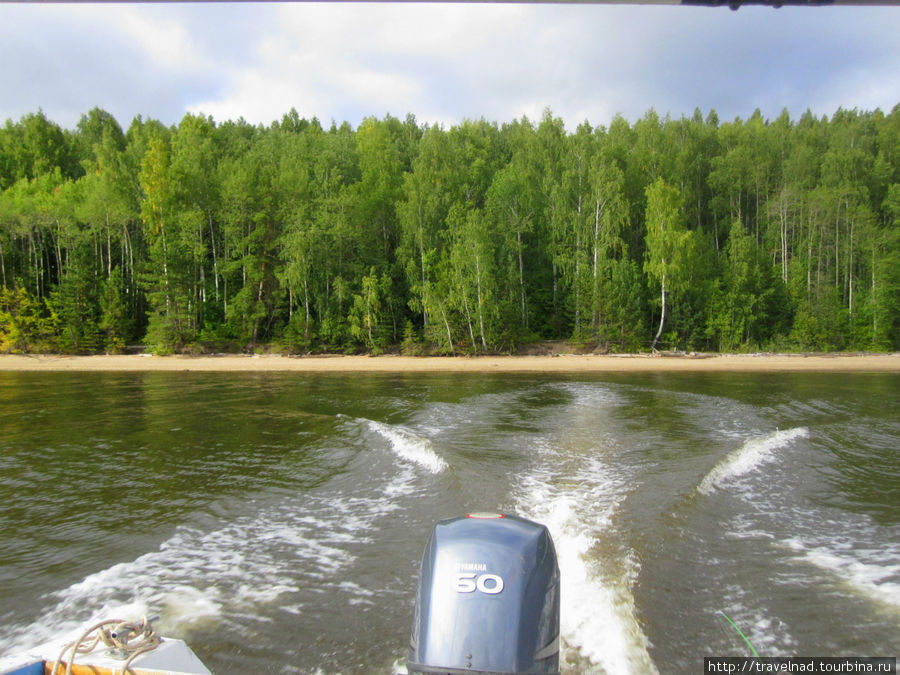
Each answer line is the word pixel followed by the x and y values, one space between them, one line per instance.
pixel 129 639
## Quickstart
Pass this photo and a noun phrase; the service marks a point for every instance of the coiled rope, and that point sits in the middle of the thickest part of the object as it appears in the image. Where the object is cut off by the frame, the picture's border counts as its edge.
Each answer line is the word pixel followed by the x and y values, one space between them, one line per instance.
pixel 127 639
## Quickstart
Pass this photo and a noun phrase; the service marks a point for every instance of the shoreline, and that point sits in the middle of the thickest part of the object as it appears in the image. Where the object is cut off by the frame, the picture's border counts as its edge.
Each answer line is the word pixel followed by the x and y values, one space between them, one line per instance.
pixel 558 363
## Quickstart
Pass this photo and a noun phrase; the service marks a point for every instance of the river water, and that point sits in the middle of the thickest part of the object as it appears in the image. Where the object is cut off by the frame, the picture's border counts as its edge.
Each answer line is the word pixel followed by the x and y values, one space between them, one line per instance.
pixel 276 522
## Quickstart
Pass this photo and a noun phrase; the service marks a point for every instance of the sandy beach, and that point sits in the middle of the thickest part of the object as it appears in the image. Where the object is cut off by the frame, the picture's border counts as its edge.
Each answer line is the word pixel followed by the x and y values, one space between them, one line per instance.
pixel 563 363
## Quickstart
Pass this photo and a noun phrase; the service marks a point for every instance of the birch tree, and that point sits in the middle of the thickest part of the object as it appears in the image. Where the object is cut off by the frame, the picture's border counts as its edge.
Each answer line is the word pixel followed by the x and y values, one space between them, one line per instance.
pixel 667 244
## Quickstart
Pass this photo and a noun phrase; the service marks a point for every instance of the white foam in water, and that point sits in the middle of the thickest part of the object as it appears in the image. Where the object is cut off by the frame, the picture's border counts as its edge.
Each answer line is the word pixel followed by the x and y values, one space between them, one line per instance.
pixel 409 446
pixel 225 574
pixel 875 573
pixel 598 614
pixel 228 573
pixel 767 633
pixel 753 454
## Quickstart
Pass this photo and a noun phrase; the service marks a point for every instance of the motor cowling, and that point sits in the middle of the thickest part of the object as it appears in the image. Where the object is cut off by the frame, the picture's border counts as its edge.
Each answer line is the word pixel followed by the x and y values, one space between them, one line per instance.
pixel 488 598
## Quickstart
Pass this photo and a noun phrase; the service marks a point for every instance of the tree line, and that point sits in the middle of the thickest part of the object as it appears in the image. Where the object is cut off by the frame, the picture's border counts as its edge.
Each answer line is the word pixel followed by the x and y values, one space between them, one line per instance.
pixel 689 233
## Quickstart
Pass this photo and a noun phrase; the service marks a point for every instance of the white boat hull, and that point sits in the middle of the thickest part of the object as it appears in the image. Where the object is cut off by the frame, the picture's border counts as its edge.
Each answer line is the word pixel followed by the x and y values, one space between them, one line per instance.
pixel 171 657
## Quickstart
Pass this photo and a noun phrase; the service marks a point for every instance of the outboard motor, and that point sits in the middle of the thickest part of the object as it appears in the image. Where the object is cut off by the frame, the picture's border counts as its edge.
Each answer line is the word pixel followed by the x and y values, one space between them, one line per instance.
pixel 488 599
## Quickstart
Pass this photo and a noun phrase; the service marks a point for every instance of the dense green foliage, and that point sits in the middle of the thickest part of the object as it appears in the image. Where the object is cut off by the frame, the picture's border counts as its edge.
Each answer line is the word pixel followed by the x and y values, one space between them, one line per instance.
pixel 680 233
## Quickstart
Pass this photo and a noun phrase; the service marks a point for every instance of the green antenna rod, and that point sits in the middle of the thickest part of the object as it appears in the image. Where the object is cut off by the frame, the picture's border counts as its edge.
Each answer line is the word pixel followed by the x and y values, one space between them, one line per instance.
pixel 734 625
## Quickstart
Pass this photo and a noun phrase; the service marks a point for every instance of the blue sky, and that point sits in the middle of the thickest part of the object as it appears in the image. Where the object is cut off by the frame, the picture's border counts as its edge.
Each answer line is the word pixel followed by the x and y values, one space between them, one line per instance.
pixel 442 62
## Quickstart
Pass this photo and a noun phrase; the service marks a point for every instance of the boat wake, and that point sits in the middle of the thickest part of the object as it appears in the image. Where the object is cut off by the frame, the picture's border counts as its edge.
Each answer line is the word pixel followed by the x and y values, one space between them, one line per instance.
pixel 753 454
pixel 869 571
pixel 598 616
pixel 263 559
pixel 577 495
pixel 281 556
pixel 408 446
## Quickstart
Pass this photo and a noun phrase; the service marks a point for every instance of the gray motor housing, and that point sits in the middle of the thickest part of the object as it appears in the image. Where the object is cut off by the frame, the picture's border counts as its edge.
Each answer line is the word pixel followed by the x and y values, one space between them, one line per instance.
pixel 488 598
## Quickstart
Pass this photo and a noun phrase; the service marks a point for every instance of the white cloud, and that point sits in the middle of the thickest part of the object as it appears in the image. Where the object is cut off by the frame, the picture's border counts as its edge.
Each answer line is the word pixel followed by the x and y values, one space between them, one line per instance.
pixel 130 60
pixel 329 60
pixel 442 62
pixel 257 97
pixel 165 40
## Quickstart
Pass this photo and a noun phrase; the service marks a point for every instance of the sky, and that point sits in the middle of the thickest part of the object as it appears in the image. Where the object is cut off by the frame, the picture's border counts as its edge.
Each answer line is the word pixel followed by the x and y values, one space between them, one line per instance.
pixel 442 62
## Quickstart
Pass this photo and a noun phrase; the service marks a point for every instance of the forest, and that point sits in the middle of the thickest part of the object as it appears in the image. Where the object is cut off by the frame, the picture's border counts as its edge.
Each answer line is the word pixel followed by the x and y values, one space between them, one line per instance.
pixel 662 234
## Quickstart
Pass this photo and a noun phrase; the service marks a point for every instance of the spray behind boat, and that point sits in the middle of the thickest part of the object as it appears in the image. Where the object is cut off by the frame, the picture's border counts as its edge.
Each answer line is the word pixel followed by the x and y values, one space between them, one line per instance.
pixel 488 598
